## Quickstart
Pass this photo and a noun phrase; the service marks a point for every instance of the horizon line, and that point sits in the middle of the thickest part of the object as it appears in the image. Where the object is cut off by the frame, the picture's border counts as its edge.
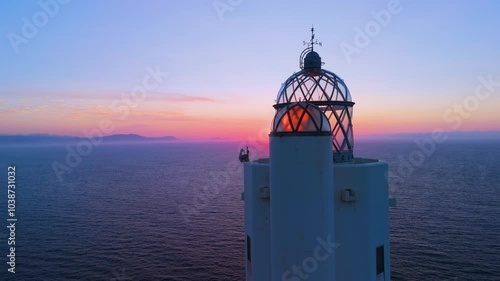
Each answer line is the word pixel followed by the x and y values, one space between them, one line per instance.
pixel 226 138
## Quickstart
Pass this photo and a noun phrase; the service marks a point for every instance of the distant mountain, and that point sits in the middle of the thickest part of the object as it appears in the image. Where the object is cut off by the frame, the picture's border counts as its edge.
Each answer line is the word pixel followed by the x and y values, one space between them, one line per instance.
pixel 134 137
pixel 46 138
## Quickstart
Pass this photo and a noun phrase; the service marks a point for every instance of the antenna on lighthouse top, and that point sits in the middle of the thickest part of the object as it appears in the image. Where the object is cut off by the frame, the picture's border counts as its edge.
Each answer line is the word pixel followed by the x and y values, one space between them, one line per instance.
pixel 312 42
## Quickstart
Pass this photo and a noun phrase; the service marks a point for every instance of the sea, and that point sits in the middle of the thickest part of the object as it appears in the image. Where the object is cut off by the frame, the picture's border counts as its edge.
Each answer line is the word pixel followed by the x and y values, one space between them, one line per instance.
pixel 173 211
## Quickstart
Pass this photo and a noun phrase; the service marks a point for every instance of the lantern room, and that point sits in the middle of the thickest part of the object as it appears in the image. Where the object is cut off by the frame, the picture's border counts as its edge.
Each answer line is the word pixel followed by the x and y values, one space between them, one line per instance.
pixel 328 92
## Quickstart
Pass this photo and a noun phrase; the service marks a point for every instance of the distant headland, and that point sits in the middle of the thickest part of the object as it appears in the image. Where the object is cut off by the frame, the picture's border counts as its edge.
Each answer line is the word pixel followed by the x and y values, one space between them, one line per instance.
pixel 47 138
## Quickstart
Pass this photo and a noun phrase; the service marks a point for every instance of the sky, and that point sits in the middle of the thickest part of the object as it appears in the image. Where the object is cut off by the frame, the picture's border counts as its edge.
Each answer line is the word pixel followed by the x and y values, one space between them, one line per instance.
pixel 212 69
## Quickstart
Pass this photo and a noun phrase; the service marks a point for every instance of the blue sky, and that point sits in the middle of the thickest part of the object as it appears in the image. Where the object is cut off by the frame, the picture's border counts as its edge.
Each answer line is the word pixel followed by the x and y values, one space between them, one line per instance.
pixel 427 58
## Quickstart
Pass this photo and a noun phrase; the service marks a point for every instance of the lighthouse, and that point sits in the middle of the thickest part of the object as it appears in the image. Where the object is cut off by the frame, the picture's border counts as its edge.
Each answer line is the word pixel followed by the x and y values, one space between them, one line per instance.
pixel 313 211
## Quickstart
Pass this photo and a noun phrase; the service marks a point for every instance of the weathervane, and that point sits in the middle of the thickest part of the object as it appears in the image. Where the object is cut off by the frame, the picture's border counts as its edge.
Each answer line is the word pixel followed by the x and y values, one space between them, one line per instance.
pixel 312 42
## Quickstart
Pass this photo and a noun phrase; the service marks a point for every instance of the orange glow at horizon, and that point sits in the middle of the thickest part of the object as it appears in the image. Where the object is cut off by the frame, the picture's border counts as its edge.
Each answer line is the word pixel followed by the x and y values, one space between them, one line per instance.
pixel 206 119
pixel 241 129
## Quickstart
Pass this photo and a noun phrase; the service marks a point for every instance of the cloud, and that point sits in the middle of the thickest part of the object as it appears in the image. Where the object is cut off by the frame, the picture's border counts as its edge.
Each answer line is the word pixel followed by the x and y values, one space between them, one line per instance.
pixel 177 98
pixel 57 97
pixel 144 116
pixel 24 109
pixel 160 115
pixel 187 98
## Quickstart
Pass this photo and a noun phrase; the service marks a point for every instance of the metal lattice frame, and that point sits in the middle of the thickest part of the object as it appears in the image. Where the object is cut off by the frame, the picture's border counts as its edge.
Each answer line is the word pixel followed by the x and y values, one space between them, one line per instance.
pixel 329 93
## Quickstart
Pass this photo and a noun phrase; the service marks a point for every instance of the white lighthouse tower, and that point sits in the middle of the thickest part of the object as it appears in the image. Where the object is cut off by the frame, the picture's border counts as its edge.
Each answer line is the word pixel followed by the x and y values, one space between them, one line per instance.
pixel 312 210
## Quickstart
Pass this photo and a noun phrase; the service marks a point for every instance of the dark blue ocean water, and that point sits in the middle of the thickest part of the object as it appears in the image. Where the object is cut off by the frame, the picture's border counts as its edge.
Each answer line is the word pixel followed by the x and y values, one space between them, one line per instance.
pixel 173 211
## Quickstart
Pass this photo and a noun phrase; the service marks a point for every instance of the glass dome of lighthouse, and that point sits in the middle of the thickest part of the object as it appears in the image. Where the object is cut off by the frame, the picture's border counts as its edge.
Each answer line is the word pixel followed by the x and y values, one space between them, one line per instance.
pixel 328 92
